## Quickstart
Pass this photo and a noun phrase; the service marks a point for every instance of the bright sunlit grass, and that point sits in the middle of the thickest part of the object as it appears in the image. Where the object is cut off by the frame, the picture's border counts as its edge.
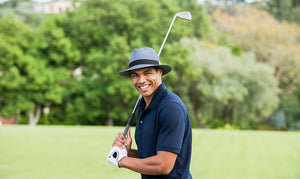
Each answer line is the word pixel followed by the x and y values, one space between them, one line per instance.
pixel 69 152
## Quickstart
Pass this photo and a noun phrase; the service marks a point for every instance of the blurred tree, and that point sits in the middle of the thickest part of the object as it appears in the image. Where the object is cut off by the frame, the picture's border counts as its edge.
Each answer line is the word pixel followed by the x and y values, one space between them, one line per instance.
pixel 15 40
pixel 54 47
pixel 281 9
pixel 273 42
pixel 32 68
pixel 106 32
pixel 287 10
pixel 278 120
pixel 70 62
pixel 57 51
pixel 237 90
pixel 290 105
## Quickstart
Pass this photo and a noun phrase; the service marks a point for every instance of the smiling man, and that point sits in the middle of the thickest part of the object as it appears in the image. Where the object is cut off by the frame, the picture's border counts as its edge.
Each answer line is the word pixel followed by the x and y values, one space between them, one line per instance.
pixel 146 81
pixel 163 131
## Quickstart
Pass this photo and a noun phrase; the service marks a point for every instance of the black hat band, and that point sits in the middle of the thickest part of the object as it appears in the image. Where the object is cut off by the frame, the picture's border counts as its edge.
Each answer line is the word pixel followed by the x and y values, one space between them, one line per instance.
pixel 143 61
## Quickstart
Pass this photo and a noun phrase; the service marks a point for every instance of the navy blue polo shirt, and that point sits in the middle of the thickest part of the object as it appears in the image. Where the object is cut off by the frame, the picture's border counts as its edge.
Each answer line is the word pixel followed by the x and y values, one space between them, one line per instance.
pixel 165 126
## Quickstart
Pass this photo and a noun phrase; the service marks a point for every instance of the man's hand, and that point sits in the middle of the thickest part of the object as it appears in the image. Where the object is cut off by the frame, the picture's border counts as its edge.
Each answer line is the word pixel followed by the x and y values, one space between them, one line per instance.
pixel 121 146
pixel 123 142
pixel 115 155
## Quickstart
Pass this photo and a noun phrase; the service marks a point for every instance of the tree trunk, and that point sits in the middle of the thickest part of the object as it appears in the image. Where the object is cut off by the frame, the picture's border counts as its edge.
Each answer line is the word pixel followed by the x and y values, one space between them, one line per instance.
pixel 199 124
pixel 18 116
pixel 110 121
pixel 34 118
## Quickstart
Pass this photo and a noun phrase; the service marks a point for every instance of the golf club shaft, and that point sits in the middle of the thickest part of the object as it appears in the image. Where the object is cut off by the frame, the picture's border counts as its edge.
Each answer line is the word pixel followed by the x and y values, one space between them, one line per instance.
pixel 132 115
pixel 140 97
pixel 162 45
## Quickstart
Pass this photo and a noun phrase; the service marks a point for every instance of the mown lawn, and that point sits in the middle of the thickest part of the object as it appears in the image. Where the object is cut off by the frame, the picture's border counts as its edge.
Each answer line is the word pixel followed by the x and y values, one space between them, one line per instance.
pixel 77 152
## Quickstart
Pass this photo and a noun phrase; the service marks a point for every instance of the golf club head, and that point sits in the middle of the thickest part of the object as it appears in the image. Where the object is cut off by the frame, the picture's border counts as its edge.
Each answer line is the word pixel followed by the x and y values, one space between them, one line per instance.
pixel 184 15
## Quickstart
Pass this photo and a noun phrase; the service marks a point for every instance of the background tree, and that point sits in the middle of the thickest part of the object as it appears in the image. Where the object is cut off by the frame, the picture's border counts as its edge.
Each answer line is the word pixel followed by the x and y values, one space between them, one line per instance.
pixel 288 10
pixel 106 38
pixel 67 63
pixel 273 42
pixel 33 68
pixel 228 91
pixel 281 9
pixel 265 36
pixel 15 64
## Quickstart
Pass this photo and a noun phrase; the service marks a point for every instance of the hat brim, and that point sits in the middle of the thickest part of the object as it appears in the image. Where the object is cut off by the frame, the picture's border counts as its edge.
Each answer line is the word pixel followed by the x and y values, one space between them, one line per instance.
pixel 165 68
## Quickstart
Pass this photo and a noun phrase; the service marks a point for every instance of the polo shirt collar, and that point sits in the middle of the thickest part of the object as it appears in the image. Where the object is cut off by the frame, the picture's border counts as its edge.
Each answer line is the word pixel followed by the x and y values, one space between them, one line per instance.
pixel 159 94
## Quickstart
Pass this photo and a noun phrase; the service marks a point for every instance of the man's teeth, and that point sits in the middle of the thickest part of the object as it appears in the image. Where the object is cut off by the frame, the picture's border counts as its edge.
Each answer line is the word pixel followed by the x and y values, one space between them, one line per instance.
pixel 144 87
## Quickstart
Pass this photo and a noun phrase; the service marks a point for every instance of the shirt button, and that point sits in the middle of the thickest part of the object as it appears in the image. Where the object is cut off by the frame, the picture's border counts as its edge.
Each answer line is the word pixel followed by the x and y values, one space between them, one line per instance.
pixel 141 122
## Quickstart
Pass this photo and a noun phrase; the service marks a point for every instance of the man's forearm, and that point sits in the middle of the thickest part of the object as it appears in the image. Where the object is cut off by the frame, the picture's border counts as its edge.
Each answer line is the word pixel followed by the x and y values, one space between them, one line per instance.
pixel 160 164
pixel 140 166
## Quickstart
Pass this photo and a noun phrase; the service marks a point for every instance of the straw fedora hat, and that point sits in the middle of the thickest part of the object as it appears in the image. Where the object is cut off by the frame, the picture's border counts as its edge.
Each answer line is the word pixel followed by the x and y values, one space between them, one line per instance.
pixel 142 58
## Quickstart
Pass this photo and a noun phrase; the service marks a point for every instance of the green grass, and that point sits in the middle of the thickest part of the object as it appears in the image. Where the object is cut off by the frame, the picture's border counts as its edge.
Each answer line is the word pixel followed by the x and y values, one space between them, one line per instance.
pixel 68 152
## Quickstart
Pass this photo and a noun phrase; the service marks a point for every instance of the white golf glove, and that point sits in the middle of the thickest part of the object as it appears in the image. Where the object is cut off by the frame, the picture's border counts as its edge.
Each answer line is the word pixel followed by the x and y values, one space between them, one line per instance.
pixel 115 155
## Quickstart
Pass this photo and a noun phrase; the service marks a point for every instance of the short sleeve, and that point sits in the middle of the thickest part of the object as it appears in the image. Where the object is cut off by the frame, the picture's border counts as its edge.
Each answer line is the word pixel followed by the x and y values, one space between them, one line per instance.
pixel 172 127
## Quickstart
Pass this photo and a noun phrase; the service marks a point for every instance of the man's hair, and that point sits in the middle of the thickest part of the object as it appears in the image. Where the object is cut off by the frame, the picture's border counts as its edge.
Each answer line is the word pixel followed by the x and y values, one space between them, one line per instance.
pixel 157 67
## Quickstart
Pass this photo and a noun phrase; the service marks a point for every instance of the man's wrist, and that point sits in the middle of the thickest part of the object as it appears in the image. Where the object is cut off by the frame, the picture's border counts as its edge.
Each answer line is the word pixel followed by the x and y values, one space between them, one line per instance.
pixel 121 162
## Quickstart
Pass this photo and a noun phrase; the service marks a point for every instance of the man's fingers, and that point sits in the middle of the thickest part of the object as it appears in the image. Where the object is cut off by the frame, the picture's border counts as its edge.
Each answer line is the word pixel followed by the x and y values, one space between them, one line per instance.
pixel 121 135
pixel 118 144
pixel 119 141
pixel 128 133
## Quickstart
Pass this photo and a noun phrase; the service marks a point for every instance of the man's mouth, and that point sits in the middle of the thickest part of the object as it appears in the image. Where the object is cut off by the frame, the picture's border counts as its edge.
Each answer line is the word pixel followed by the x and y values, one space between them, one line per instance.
pixel 144 87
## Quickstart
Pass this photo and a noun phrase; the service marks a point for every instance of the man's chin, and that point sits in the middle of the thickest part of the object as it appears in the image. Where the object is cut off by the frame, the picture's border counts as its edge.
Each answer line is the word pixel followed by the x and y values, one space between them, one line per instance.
pixel 145 94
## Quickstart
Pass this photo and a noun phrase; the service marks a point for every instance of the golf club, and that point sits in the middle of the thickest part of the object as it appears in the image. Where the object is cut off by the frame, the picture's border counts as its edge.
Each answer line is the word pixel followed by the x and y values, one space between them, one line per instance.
pixel 186 15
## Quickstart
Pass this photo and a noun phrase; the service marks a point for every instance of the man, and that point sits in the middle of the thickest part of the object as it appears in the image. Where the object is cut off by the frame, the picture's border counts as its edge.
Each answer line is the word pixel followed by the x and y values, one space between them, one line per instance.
pixel 163 131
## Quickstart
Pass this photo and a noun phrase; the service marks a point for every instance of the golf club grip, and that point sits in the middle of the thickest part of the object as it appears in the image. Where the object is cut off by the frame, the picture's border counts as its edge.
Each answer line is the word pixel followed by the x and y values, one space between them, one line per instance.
pixel 126 129
pixel 128 124
pixel 132 115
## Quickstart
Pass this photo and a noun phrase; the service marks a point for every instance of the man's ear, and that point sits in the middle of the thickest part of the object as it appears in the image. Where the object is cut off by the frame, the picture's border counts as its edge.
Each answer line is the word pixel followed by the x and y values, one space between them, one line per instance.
pixel 160 71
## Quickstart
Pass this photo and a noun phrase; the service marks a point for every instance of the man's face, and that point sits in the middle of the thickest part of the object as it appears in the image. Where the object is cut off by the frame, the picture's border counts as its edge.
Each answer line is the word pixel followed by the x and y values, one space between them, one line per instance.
pixel 146 81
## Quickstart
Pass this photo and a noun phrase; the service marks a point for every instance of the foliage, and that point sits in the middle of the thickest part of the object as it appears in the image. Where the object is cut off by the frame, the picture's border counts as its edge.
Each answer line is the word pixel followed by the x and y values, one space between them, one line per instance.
pixel 275 43
pixel 67 63
pixel 290 105
pixel 106 38
pixel 15 64
pixel 32 68
pixel 285 10
pixel 228 88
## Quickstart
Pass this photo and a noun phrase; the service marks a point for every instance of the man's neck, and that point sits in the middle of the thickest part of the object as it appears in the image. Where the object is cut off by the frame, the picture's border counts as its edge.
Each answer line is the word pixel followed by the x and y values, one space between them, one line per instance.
pixel 148 99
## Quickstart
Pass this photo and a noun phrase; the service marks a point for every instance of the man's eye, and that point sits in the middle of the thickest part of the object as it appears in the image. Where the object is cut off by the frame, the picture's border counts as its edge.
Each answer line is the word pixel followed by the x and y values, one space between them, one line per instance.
pixel 133 75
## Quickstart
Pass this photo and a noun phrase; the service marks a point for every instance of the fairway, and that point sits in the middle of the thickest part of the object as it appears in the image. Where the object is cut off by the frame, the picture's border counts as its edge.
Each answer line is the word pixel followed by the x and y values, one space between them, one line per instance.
pixel 76 152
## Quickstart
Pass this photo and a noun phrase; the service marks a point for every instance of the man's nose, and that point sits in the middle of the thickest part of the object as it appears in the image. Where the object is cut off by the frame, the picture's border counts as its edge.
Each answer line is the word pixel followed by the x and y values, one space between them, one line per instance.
pixel 142 79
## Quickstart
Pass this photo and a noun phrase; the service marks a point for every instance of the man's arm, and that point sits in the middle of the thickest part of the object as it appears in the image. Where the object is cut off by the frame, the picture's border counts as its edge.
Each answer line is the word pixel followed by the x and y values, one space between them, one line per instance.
pixel 125 142
pixel 160 164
